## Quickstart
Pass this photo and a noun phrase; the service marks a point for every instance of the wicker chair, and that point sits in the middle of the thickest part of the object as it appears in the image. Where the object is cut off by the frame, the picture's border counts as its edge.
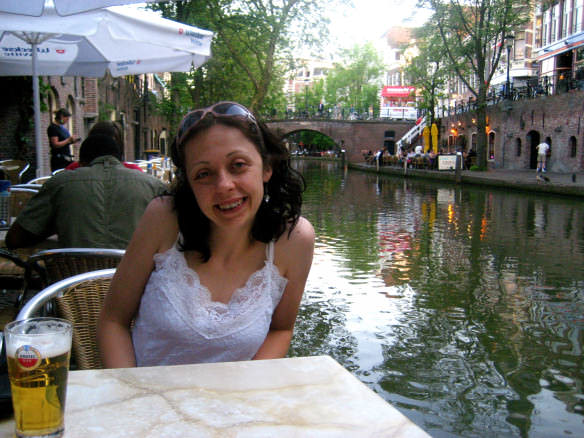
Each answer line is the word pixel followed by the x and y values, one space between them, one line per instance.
pixel 79 299
pixel 53 265
pixel 12 269
pixel 19 196
pixel 14 169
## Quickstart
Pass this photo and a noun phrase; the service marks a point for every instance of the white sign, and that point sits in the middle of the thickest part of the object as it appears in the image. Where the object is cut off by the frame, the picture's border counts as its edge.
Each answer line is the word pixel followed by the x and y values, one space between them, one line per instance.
pixel 399 112
pixel 446 162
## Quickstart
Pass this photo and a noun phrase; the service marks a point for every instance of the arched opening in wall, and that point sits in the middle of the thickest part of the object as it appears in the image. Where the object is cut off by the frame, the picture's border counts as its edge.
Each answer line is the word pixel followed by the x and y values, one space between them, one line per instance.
pixel 451 142
pixel 573 147
pixel 548 140
pixel 532 140
pixel 316 144
pixel 461 143
pixel 518 147
pixel 72 126
pixel 162 143
pixel 52 103
pixel 491 146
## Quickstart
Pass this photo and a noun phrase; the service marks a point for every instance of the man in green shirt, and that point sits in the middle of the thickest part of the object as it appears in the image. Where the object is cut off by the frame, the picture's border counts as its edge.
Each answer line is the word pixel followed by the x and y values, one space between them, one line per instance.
pixel 97 205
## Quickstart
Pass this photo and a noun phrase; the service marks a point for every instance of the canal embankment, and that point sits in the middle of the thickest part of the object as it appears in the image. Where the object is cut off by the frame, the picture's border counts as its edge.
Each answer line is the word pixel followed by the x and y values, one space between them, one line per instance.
pixel 567 184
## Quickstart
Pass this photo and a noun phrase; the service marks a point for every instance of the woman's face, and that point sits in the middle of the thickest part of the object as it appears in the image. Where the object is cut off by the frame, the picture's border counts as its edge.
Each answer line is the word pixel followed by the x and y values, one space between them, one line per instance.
pixel 227 176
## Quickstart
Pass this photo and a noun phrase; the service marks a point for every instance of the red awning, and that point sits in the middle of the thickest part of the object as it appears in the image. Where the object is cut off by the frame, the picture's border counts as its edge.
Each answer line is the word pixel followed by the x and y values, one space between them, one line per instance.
pixel 397 91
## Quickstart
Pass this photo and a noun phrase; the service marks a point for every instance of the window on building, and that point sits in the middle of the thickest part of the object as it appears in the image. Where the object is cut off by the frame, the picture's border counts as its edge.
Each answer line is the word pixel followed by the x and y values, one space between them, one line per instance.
pixel 555 15
pixel 491 145
pixel 518 147
pixel 519 48
pixel 545 29
pixel 577 16
pixel 573 147
pixel 566 18
pixel 397 56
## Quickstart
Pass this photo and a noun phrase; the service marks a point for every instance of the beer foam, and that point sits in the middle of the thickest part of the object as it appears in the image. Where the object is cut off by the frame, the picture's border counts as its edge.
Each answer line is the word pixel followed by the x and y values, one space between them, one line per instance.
pixel 40 334
pixel 46 345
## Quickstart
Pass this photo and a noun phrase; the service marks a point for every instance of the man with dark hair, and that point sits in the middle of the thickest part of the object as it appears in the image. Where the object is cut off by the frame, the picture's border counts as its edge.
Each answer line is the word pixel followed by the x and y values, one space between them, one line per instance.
pixel 97 205
pixel 60 139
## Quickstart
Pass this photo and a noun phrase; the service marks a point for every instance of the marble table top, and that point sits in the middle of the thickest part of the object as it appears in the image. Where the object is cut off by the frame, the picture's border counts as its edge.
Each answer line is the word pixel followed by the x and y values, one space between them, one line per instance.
pixel 295 397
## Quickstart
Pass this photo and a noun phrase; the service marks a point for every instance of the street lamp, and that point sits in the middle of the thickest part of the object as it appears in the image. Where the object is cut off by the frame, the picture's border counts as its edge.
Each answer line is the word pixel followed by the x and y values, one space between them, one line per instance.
pixel 509 44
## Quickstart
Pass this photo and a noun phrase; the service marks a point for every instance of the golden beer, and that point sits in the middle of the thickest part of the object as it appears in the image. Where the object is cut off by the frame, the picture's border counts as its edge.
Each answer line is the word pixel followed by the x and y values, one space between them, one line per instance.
pixel 38 364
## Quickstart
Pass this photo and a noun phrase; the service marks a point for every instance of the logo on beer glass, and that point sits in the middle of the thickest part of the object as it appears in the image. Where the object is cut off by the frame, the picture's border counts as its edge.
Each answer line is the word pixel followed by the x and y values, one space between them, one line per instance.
pixel 28 357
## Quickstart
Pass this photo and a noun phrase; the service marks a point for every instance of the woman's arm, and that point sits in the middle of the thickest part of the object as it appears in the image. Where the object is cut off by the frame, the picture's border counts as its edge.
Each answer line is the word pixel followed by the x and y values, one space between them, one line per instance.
pixel 123 299
pixel 294 254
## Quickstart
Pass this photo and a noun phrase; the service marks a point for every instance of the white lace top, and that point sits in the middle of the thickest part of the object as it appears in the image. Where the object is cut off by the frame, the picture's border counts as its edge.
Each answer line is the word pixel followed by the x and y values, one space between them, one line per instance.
pixel 178 323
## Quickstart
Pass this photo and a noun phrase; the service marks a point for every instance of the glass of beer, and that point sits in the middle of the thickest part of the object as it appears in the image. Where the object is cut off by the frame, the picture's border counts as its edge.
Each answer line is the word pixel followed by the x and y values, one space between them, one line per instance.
pixel 38 351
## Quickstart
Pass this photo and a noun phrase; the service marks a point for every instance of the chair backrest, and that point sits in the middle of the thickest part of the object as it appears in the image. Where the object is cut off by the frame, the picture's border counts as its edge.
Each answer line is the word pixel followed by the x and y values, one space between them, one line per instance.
pixel 60 263
pixel 79 300
pixel 14 169
pixel 27 185
pixel 19 196
pixel 40 180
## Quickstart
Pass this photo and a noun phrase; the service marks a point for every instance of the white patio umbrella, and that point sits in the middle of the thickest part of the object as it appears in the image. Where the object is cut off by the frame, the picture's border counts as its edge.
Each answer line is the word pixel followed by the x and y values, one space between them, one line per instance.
pixel 120 40
pixel 35 8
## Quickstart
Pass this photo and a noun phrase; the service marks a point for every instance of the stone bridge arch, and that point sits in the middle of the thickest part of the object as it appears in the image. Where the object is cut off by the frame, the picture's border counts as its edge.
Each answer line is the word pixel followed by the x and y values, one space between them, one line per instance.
pixel 353 135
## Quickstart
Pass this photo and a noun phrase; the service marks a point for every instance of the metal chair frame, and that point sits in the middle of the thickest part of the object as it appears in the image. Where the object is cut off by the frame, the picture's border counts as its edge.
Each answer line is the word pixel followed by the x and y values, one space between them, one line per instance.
pixel 19 196
pixel 27 185
pixel 53 265
pixel 14 175
pixel 79 299
pixel 40 180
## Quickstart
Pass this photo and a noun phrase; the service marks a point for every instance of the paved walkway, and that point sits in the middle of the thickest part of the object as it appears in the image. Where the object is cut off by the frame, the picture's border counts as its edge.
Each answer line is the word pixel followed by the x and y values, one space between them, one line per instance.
pixel 571 184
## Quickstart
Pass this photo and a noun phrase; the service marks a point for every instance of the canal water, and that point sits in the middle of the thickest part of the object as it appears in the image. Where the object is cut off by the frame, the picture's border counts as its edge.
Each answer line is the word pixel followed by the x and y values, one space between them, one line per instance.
pixel 463 307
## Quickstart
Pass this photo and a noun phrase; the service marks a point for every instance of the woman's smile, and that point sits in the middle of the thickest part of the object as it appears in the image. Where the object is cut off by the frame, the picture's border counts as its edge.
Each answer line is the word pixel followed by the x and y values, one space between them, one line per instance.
pixel 231 205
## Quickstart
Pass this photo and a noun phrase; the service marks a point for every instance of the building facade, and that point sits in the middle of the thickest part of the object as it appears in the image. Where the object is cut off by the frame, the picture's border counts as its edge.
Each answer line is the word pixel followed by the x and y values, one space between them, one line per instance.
pixel 127 100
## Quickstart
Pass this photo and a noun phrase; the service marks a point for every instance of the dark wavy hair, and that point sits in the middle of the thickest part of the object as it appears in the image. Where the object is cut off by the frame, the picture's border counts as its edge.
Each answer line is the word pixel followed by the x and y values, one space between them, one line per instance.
pixel 284 188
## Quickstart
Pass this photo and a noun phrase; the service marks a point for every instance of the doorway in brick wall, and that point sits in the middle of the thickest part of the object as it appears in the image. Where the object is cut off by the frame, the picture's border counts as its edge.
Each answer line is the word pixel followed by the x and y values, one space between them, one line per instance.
pixel 532 141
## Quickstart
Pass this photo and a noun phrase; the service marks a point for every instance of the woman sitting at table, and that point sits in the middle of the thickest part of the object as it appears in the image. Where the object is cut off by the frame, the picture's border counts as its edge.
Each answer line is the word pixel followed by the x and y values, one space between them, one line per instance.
pixel 216 271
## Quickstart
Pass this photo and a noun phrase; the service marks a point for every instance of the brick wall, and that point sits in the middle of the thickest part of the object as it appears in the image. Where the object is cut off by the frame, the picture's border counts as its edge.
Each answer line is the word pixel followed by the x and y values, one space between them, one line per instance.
pixel 90 99
pixel 520 125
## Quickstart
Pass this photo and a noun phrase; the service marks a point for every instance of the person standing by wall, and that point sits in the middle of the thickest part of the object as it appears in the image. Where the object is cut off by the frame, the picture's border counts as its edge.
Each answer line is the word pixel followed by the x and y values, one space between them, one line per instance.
pixel 542 151
pixel 60 140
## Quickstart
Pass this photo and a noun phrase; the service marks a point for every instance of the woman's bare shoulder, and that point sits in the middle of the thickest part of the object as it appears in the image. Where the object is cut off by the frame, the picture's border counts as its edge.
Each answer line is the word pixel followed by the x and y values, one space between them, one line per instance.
pixel 159 220
pixel 298 241
pixel 161 205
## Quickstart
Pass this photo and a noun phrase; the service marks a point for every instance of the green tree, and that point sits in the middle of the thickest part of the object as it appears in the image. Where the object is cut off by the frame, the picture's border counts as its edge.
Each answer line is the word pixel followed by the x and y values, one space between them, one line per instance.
pixel 428 70
pixel 252 45
pixel 356 80
pixel 473 36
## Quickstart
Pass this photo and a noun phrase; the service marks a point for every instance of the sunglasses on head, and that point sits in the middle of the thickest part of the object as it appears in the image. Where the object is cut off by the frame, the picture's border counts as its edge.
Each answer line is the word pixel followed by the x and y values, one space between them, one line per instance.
pixel 220 110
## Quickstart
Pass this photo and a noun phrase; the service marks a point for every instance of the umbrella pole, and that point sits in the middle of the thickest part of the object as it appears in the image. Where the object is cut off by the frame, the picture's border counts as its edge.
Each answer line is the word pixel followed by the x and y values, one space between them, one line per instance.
pixel 37 112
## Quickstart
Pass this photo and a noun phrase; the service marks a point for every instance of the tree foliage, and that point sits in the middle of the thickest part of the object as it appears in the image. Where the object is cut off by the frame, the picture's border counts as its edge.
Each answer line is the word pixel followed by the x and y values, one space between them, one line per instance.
pixel 473 35
pixel 429 69
pixel 252 46
pixel 356 80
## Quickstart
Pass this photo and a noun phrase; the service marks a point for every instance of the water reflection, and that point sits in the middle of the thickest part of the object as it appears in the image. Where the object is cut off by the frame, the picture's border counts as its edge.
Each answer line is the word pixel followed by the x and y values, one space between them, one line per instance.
pixel 461 307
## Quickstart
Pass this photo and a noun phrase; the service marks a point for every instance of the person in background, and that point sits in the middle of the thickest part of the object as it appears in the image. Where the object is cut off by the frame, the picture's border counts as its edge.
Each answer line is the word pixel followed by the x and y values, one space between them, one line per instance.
pixel 96 206
pixel 60 140
pixel 215 272
pixel 542 151
pixel 114 130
